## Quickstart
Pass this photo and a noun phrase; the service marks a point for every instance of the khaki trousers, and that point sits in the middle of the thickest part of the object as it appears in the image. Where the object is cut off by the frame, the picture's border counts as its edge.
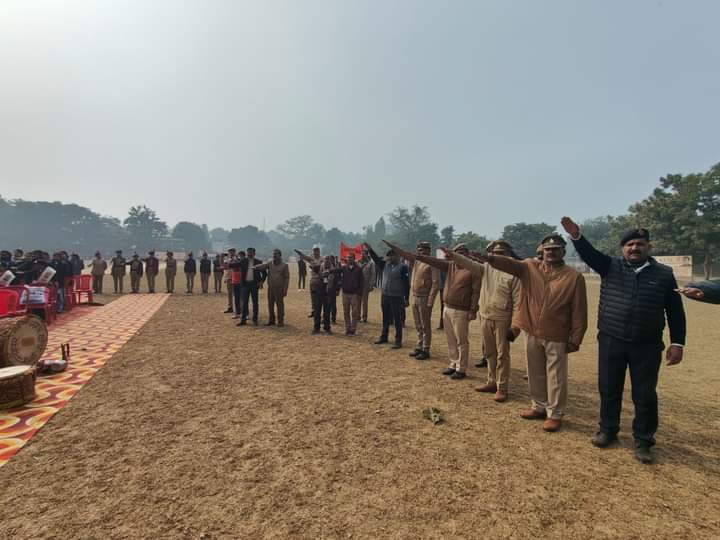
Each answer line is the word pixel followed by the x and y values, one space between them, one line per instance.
pixel 547 364
pixel 351 310
pixel 151 282
pixel 497 351
pixel 423 322
pixel 204 282
pixel 276 297
pixel 218 281
pixel 230 293
pixel 456 324
pixel 170 282
pixel 364 303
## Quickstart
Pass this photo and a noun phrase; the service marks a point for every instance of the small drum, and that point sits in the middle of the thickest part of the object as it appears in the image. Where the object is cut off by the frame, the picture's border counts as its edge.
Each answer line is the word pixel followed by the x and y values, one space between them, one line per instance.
pixel 22 340
pixel 17 386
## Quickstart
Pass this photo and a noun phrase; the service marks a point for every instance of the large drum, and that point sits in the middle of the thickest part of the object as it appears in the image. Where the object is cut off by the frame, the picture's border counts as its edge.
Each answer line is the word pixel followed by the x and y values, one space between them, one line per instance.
pixel 17 386
pixel 22 340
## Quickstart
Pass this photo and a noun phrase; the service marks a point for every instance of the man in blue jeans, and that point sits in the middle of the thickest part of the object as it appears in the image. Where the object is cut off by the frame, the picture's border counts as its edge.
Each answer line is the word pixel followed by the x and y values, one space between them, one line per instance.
pixel 636 295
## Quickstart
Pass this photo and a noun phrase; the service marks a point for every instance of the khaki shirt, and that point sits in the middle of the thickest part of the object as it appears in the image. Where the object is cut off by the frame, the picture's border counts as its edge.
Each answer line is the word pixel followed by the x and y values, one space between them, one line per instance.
pixel 425 281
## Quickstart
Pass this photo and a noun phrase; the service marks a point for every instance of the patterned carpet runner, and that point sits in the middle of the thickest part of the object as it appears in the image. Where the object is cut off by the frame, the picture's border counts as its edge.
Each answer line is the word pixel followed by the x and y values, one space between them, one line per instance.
pixel 94 334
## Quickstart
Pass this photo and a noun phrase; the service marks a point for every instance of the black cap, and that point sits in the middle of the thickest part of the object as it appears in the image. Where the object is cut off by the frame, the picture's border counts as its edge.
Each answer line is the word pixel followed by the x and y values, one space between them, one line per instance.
pixel 634 234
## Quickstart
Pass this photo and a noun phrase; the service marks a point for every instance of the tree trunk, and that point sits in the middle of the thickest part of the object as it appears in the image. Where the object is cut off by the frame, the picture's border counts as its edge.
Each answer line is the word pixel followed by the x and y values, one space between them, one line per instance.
pixel 708 265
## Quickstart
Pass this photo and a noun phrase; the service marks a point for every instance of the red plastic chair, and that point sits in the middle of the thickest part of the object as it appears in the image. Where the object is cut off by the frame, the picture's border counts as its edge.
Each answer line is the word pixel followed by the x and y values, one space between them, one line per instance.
pixel 69 293
pixel 47 309
pixel 23 295
pixel 84 287
pixel 9 301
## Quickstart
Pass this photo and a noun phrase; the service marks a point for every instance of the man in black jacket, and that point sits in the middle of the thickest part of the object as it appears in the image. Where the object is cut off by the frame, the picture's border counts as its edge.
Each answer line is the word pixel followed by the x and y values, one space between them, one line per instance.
pixel 252 280
pixel 636 294
pixel 190 269
pixel 395 295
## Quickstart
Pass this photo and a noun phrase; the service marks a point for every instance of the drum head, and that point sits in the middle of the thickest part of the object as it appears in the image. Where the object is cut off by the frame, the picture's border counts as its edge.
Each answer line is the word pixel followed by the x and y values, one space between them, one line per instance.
pixel 23 342
pixel 13 371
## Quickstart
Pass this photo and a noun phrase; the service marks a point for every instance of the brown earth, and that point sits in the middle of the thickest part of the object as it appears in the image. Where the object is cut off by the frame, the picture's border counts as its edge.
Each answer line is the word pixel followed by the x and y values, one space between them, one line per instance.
pixel 200 429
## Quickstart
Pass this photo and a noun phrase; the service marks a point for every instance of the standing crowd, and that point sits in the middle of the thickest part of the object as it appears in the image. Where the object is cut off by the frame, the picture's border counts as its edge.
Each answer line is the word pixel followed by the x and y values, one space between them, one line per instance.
pixel 541 299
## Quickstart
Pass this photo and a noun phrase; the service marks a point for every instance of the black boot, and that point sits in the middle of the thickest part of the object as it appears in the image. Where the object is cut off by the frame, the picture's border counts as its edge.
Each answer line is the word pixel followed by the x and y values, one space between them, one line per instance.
pixel 603 439
pixel 643 454
pixel 383 339
pixel 415 353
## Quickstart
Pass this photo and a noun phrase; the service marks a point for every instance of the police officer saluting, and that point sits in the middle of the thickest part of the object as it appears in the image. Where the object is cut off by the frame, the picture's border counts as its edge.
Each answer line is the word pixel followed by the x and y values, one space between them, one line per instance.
pixel 636 295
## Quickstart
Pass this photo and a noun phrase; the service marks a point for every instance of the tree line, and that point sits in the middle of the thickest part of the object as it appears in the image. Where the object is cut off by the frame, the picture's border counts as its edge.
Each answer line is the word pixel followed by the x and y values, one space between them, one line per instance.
pixel 683 214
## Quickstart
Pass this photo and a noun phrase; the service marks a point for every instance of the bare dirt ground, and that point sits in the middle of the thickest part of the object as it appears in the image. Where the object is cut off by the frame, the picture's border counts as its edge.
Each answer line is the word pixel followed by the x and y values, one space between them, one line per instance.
pixel 200 429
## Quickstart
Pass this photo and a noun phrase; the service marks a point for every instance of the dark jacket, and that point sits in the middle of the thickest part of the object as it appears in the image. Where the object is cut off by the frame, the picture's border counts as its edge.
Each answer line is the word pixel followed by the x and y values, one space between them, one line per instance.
pixel 217 265
pixel 633 304
pixel 190 266
pixel 711 288
pixel 136 266
pixel 351 278
pixel 63 270
pixel 395 279
pixel 258 275
pixel 302 267
pixel 205 266
pixel 77 265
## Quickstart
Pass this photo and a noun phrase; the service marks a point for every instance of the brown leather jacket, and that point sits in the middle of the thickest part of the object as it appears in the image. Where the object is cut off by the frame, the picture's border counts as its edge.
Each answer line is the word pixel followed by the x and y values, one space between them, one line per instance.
pixel 553 304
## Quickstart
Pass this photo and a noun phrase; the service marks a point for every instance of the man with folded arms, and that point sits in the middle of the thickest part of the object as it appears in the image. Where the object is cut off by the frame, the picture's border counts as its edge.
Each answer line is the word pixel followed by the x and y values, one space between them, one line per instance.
pixel 636 295
pixel 553 314
pixel 499 299
pixel 462 293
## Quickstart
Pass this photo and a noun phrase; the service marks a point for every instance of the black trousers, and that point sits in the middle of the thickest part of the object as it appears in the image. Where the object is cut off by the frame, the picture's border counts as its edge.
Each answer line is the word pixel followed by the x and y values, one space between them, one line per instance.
pixel 644 362
pixel 332 306
pixel 237 295
pixel 320 308
pixel 301 281
pixel 393 308
pixel 250 291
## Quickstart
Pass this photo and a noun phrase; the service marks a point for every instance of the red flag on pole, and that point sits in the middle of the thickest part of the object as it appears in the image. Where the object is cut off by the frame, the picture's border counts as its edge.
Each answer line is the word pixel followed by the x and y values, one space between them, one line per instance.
pixel 345 250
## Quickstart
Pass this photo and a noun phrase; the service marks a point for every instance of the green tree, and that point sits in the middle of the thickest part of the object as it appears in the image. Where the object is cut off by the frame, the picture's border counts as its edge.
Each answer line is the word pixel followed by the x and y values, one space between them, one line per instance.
pixel 333 237
pixel 144 227
pixel 475 242
pixel 410 226
pixel 297 227
pixel 195 237
pixel 447 235
pixel 250 236
pixel 525 237
pixel 218 234
pixel 683 215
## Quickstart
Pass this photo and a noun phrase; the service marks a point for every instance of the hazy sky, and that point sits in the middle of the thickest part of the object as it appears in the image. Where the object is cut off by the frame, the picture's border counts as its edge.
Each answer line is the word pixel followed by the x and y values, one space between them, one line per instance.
pixel 228 112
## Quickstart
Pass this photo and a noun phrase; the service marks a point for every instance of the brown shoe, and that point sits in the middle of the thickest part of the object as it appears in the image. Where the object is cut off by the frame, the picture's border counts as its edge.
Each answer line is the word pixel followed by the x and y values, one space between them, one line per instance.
pixel 488 388
pixel 552 424
pixel 532 414
pixel 501 395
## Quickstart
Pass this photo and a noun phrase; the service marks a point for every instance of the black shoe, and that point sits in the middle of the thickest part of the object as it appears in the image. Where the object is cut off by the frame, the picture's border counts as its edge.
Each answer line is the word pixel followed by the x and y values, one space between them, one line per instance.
pixel 315 331
pixel 448 371
pixel 255 323
pixel 458 375
pixel 482 363
pixel 381 341
pixel 348 333
pixel 422 355
pixel 229 310
pixel 440 328
pixel 603 439
pixel 396 346
pixel 415 353
pixel 364 320
pixel 328 331
pixel 269 323
pixel 242 322
pixel 311 316
pixel 643 454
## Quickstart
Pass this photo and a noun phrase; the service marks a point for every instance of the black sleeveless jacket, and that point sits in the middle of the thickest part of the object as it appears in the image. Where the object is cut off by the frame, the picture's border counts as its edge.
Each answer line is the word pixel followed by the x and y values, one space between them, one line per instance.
pixel 633 304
